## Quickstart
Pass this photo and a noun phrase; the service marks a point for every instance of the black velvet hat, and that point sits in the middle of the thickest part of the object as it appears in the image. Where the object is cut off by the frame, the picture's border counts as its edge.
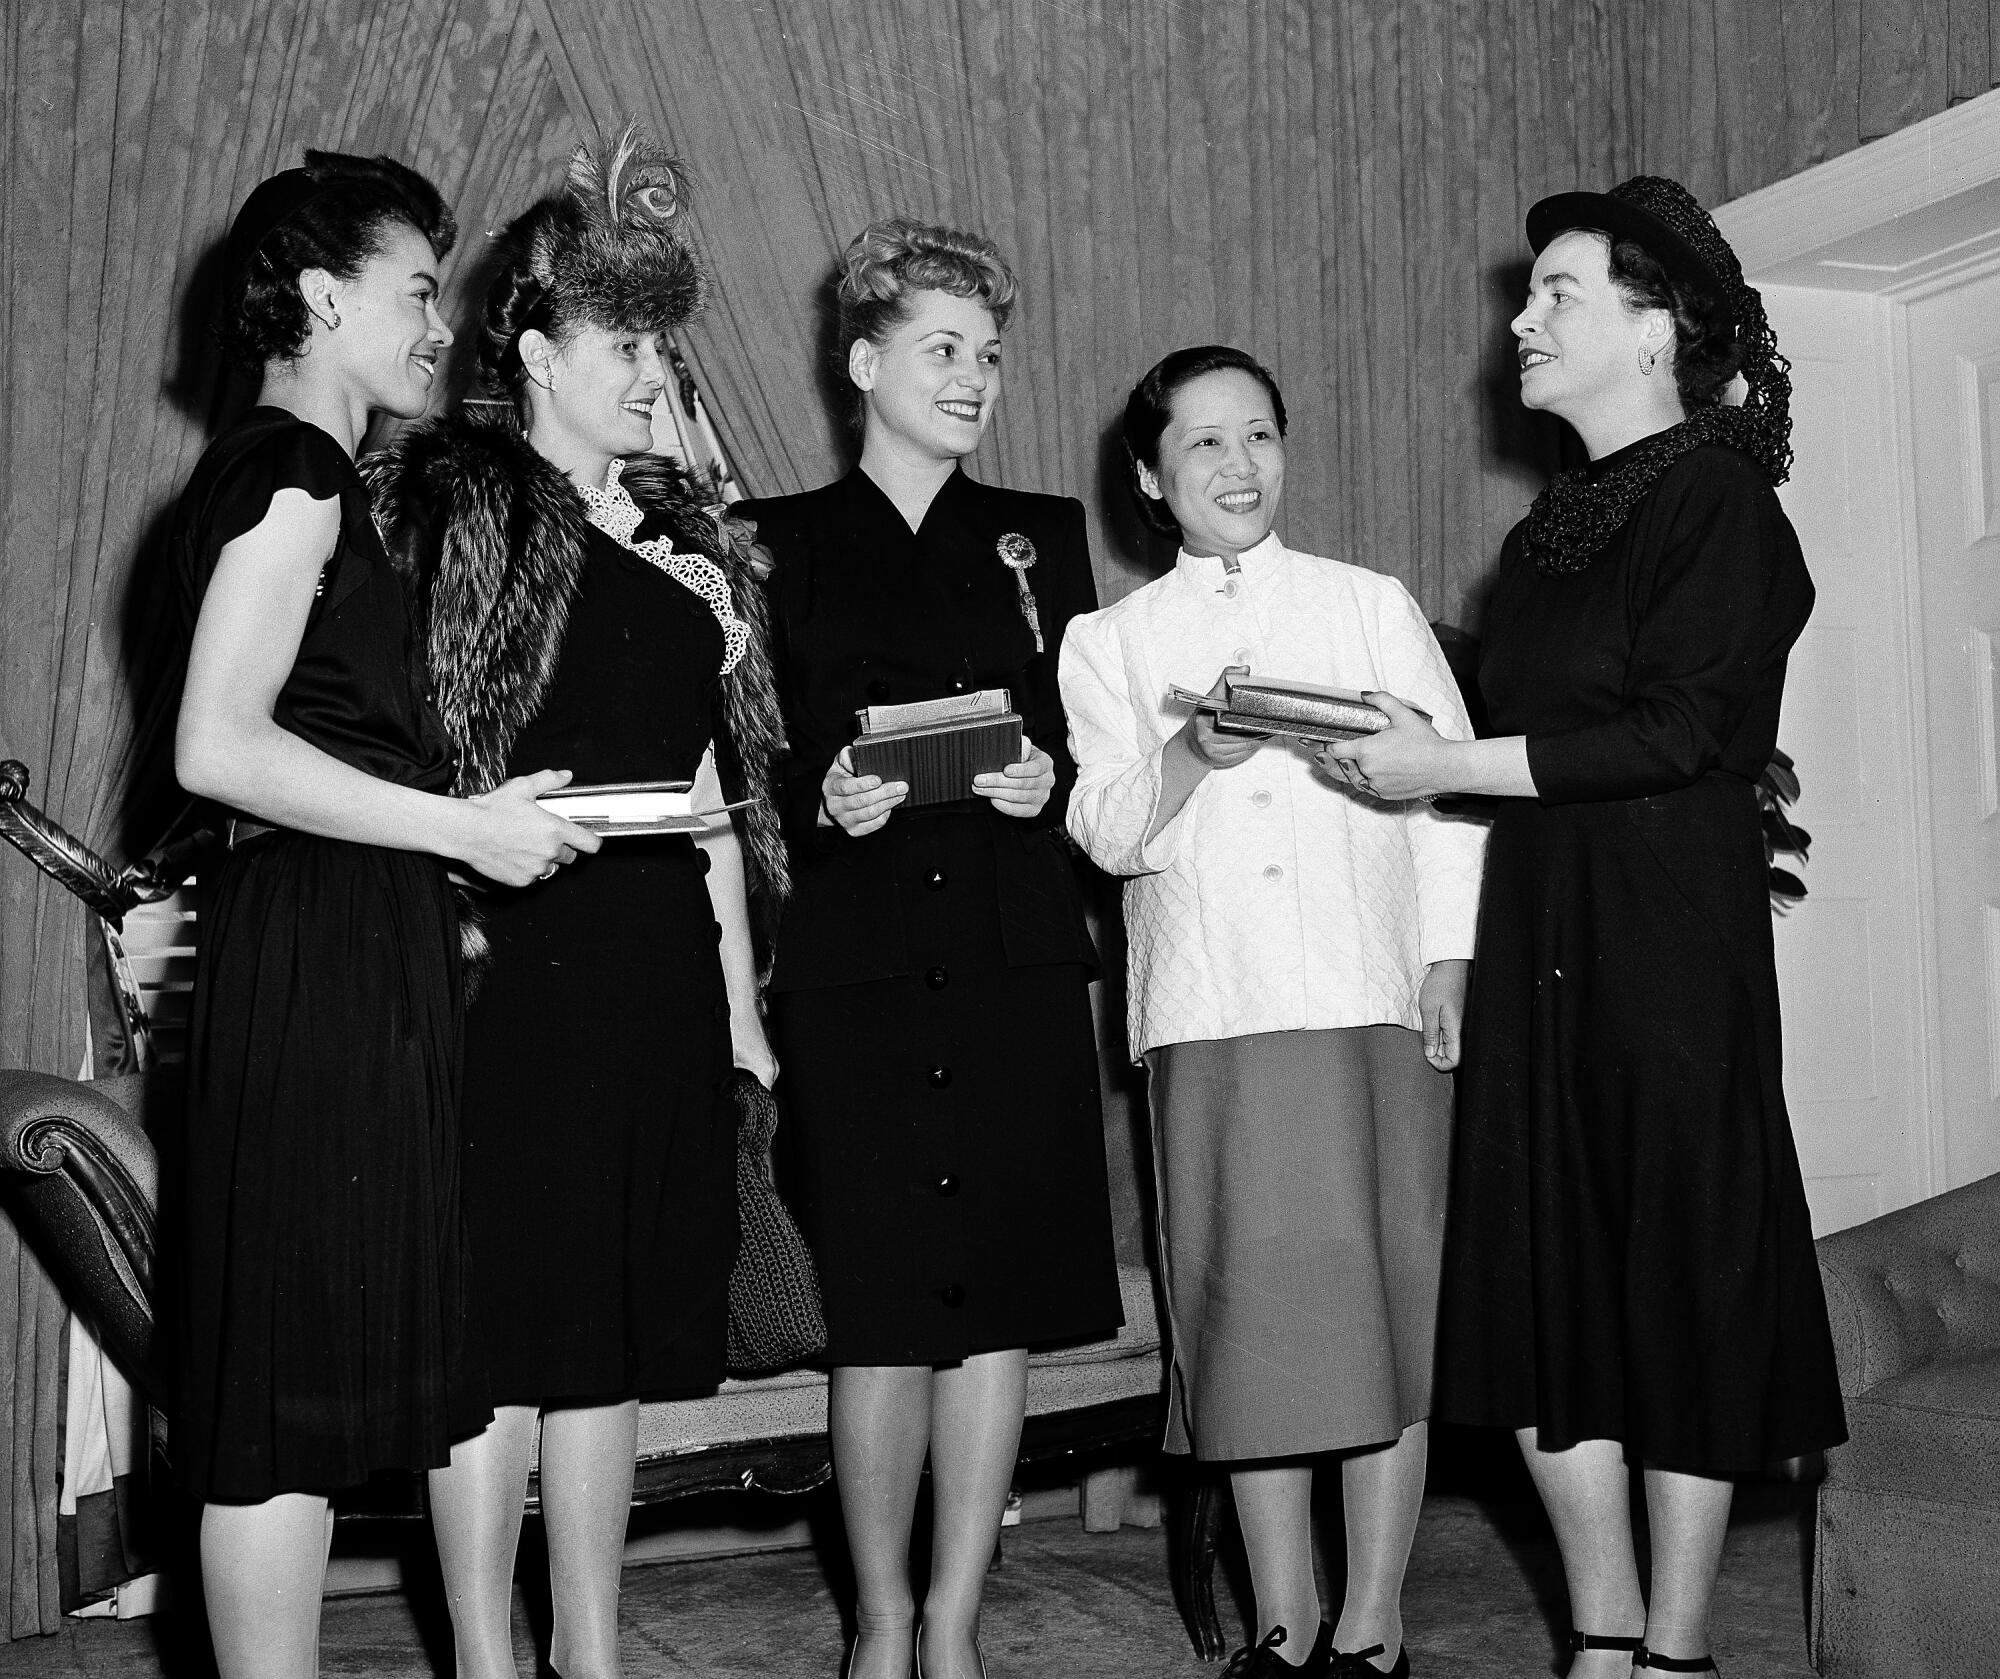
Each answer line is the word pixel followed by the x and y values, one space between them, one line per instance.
pixel 1665 218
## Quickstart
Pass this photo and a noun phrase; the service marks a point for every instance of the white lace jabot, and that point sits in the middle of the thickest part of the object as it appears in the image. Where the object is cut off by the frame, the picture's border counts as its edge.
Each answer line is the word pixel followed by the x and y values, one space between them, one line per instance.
pixel 613 511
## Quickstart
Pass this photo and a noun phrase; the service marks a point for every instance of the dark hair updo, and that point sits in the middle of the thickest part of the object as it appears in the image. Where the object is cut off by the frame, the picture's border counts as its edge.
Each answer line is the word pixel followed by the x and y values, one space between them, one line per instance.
pixel 335 213
pixel 888 262
pixel 1150 409
pixel 1707 351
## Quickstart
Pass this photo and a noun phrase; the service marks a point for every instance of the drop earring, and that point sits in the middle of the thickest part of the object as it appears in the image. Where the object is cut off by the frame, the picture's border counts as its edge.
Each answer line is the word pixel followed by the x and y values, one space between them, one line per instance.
pixel 1647 361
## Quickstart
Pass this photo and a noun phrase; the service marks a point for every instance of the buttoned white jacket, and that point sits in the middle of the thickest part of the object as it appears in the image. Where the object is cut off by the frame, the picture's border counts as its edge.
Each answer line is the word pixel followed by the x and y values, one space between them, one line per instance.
pixel 1278 899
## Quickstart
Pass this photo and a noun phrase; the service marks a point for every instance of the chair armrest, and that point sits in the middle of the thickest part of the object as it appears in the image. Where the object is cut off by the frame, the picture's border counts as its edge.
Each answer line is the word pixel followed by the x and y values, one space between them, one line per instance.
pixel 1914 1285
pixel 83 1182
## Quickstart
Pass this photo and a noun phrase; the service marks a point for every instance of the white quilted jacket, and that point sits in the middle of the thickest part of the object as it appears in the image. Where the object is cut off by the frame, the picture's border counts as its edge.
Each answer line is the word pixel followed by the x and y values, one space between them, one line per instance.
pixel 1277 900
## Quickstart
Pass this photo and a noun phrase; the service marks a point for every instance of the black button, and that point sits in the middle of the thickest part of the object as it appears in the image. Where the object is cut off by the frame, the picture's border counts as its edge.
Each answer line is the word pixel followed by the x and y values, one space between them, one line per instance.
pixel 878 690
pixel 936 978
pixel 935 880
pixel 952 1294
pixel 947 1186
pixel 940 1078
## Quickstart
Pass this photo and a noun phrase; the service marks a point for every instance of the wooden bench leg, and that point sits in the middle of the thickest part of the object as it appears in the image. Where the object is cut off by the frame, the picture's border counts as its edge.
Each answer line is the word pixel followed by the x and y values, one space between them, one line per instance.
pixel 1197 1525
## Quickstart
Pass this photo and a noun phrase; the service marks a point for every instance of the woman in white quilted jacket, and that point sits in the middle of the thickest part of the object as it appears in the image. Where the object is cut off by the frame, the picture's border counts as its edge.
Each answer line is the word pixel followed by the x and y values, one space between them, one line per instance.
pixel 1299 953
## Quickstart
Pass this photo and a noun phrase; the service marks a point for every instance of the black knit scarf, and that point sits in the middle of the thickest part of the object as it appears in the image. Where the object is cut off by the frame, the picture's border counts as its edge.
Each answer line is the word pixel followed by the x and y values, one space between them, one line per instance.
pixel 1581 511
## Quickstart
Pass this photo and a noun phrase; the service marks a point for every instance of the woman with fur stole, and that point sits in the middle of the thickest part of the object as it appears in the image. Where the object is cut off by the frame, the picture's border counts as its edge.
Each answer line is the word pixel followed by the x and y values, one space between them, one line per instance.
pixel 583 608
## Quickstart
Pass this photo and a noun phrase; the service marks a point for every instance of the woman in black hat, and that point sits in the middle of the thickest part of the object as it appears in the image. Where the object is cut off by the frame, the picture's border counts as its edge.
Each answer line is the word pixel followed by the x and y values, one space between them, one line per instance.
pixel 320 1303
pixel 1629 1270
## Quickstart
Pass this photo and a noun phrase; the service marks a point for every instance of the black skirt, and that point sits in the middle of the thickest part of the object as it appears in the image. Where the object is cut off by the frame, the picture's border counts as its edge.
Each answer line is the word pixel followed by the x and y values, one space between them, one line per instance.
pixel 943 1136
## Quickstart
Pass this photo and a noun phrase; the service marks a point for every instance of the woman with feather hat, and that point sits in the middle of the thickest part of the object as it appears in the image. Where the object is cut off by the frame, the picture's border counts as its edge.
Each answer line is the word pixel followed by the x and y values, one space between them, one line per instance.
pixel 583 607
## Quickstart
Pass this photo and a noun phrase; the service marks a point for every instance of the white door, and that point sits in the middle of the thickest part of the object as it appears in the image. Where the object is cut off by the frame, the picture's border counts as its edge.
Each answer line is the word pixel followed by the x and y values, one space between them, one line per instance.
pixel 1952 351
pixel 1850 956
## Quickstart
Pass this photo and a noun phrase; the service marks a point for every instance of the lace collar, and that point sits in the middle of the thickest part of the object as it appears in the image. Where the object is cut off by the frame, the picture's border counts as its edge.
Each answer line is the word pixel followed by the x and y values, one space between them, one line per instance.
pixel 613 511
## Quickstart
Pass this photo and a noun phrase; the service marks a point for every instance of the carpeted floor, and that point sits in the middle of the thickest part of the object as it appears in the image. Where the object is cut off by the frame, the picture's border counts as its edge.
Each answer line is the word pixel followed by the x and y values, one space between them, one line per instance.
pixel 1483 1596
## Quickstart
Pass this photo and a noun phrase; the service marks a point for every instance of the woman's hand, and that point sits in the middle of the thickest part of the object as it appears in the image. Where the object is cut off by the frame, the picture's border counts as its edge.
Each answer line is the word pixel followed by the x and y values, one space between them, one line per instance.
pixel 858 803
pixel 1441 1001
pixel 1020 789
pixel 1215 748
pixel 513 840
pixel 1407 760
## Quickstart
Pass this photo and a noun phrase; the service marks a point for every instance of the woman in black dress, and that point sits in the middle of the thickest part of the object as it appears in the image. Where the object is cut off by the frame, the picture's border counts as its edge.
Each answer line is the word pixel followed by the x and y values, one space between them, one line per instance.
pixel 586 605
pixel 1629 1270
pixel 320 1308
pixel 930 994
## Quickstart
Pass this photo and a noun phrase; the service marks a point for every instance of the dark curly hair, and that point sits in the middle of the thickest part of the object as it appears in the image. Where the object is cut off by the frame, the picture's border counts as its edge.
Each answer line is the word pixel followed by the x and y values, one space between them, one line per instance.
pixel 610 249
pixel 889 261
pixel 334 213
pixel 1149 410
pixel 1707 354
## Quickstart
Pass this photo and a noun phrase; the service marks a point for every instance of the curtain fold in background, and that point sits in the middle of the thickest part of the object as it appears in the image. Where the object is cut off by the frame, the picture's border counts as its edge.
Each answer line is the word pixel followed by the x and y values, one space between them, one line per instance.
pixel 1338 189
pixel 128 133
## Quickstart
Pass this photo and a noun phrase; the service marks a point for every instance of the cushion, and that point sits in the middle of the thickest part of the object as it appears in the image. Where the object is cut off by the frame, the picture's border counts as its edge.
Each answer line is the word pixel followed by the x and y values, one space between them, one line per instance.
pixel 1932 1432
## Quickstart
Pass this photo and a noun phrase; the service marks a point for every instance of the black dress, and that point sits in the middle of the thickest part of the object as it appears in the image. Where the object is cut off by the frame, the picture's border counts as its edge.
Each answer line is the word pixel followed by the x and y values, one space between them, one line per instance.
pixel 930 999
pixel 1628 1250
pixel 320 1308
pixel 600 1146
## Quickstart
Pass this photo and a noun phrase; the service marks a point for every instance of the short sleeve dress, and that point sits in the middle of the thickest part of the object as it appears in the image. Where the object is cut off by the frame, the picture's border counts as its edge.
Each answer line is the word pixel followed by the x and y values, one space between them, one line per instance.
pixel 1628 1251
pixel 320 1307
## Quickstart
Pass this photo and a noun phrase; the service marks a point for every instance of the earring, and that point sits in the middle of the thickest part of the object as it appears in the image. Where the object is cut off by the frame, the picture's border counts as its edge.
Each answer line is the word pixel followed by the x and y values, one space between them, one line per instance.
pixel 1647 359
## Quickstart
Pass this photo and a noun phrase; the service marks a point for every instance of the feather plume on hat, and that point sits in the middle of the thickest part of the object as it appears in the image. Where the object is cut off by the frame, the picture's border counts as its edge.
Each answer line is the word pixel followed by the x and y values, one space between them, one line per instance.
pixel 613 247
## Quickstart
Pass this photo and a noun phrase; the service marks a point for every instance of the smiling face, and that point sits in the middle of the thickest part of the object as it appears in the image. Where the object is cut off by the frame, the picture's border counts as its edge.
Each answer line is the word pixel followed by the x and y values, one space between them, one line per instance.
pixel 591 396
pixel 1580 345
pixel 931 388
pixel 390 331
pixel 1221 470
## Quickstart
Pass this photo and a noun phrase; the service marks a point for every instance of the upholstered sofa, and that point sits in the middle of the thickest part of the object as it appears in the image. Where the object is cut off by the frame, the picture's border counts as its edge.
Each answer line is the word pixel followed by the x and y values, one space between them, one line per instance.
pixel 1906 1560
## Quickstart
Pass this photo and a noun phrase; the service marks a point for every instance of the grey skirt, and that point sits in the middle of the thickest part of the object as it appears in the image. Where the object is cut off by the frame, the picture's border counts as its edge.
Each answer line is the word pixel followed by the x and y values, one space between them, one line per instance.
pixel 1302 1199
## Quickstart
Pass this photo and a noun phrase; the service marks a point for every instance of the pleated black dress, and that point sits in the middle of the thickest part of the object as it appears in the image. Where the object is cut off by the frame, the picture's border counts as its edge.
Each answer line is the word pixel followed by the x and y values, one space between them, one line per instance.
pixel 1628 1250
pixel 320 1306
pixel 943 1135
pixel 600 1145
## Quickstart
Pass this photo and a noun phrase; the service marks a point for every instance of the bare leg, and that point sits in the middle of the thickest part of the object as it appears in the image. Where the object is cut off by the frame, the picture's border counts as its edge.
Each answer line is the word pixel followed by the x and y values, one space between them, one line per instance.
pixel 588 1455
pixel 975 1442
pixel 1383 1491
pixel 880 1419
pixel 476 1504
pixel 1690 1519
pixel 263 1569
pixel 1587 1493
pixel 1274 1509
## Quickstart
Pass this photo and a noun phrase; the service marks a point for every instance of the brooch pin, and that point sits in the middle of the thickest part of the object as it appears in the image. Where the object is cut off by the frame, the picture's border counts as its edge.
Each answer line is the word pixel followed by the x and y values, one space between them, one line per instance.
pixel 1017 553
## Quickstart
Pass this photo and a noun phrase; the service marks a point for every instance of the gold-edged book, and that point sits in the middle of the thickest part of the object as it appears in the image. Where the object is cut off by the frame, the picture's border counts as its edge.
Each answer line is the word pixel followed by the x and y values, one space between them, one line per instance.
pixel 1267 705
pixel 612 808
pixel 938 746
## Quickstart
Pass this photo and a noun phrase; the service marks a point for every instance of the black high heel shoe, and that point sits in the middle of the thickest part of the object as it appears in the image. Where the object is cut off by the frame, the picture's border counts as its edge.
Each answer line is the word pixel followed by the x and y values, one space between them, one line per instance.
pixel 1355 1664
pixel 1262 1661
pixel 1582 1641
pixel 1675 1664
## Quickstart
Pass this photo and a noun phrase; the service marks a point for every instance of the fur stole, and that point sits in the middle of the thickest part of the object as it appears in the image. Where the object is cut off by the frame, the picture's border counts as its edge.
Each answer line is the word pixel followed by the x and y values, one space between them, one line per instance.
pixel 490 538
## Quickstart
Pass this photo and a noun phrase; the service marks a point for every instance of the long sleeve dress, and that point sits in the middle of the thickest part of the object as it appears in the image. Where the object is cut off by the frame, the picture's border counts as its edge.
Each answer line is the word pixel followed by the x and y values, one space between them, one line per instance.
pixel 1279 928
pixel 321 1312
pixel 1630 1255
pixel 929 1001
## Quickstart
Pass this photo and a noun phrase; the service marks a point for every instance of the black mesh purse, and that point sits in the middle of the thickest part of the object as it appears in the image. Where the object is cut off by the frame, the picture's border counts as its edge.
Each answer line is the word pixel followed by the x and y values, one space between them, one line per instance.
pixel 776 1319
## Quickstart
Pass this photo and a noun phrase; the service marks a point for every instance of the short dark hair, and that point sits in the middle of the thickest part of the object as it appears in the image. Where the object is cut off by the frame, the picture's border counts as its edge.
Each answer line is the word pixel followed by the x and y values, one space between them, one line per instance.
pixel 1707 353
pixel 889 261
pixel 347 206
pixel 1150 409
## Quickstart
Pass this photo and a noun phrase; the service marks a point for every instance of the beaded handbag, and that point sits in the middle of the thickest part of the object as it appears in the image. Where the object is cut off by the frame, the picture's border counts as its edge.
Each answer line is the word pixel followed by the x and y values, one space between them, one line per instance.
pixel 776 1318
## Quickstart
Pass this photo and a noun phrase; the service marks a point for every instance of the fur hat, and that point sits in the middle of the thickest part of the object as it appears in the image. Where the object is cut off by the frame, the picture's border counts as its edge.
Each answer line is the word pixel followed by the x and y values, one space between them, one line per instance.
pixel 612 248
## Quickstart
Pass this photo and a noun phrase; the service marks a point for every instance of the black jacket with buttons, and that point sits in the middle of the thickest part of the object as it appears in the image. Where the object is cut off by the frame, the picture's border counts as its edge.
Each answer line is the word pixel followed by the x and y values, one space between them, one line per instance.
pixel 866 612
